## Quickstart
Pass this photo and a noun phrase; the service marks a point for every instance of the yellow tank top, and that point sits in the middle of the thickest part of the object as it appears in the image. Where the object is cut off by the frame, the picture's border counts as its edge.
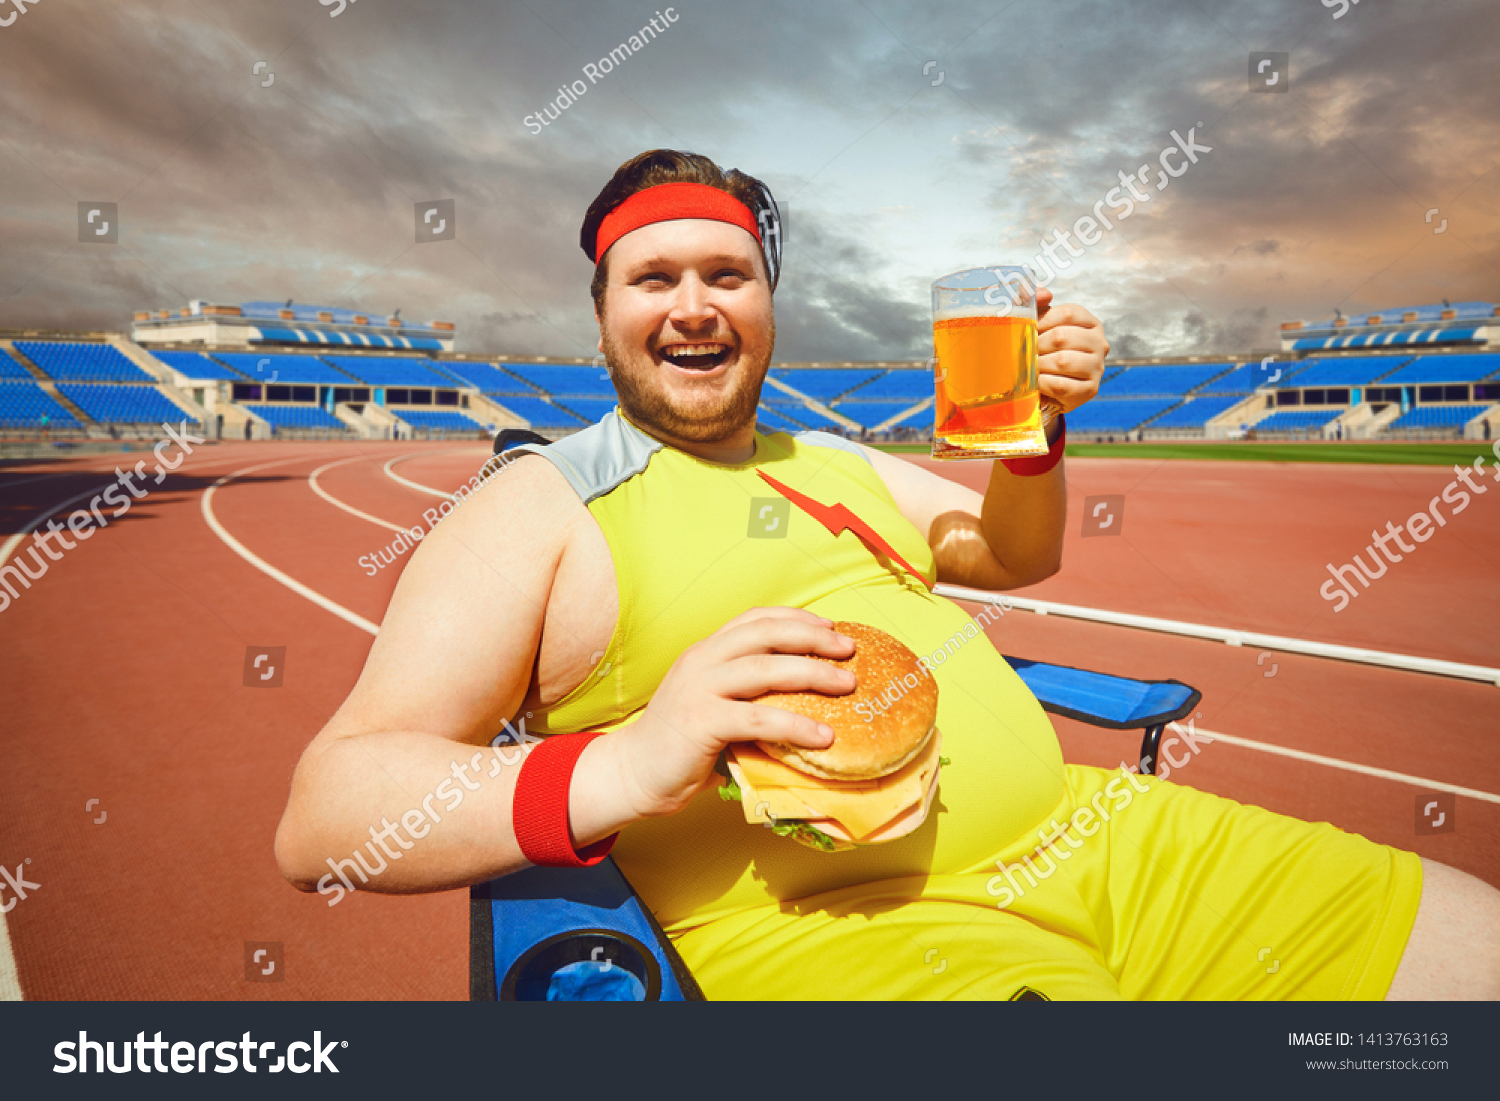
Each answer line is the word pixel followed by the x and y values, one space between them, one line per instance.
pixel 696 543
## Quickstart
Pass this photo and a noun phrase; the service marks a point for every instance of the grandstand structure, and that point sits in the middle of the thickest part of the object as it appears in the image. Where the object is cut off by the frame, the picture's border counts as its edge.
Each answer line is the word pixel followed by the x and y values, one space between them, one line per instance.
pixel 110 386
pixel 287 325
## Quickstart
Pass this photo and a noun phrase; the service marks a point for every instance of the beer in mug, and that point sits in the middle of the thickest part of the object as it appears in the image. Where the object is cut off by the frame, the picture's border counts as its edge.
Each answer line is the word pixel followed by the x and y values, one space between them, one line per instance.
pixel 985 371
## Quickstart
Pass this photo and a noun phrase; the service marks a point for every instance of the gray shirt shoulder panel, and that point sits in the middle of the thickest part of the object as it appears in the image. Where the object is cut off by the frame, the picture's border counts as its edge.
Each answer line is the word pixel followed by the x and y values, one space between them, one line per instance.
pixel 599 458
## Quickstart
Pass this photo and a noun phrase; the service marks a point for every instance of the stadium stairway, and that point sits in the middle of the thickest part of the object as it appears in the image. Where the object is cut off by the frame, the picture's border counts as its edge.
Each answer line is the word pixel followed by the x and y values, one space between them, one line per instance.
pixel 831 414
pixel 158 370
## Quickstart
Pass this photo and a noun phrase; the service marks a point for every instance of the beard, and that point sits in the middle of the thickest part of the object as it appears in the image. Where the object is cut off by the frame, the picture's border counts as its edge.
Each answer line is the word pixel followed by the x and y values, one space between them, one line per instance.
pixel 713 414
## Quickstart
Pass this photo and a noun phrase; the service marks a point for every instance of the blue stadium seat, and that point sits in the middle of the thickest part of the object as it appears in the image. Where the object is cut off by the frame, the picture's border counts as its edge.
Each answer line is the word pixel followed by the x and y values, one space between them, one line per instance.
pixel 769 419
pixel 10 369
pixel 778 402
pixel 1437 416
pixel 196 365
pixel 391 371
pixel 1164 382
pixel 298 416
pixel 561 380
pixel 901 384
pixel 439 420
pixel 1117 415
pixel 1197 412
pixel 538 413
pixel 1244 379
pixel 109 404
pixel 826 383
pixel 592 410
pixel 491 380
pixel 270 367
pixel 1297 420
pixel 23 404
pixel 1354 371
pixel 1473 368
pixel 870 413
pixel 82 362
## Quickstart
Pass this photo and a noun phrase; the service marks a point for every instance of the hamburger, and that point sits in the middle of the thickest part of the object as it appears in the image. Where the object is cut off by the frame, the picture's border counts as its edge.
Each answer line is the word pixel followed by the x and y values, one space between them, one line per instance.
pixel 875 782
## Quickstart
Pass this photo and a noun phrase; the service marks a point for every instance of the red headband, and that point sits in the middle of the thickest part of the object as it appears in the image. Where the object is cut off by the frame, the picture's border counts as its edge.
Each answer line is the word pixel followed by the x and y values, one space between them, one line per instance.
pixel 667 202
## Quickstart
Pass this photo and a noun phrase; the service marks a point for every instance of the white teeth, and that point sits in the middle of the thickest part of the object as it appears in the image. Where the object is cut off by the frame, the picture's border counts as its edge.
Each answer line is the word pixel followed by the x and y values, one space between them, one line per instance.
pixel 694 349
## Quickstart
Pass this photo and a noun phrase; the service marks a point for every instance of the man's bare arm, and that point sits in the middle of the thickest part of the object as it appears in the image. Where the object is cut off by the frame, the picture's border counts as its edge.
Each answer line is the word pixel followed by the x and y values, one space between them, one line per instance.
pixel 451 664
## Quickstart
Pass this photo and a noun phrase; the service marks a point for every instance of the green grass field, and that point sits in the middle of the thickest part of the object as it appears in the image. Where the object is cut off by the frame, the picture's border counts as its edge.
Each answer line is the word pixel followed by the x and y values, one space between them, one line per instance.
pixel 1410 454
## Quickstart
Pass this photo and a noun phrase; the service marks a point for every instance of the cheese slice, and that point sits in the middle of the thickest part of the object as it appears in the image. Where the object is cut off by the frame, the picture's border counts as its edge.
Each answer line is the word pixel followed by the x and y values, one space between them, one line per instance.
pixel 771 789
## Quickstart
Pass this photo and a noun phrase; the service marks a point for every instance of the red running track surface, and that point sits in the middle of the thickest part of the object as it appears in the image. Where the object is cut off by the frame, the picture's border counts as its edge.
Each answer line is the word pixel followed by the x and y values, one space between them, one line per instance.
pixel 124 684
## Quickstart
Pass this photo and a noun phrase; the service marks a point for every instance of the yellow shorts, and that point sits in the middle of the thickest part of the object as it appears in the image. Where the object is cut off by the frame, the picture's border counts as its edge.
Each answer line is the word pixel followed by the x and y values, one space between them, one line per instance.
pixel 1150 891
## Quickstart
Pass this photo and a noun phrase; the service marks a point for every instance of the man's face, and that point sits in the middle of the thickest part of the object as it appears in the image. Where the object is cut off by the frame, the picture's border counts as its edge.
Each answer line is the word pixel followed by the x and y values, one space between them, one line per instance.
pixel 687 328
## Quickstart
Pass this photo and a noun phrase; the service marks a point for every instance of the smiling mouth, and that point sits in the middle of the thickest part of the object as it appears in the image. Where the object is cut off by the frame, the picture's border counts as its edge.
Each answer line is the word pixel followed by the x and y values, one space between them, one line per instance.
pixel 701 357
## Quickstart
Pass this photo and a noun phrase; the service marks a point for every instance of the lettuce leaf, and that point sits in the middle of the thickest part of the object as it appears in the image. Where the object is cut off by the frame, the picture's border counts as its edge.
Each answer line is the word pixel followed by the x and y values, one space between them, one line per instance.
pixel 730 792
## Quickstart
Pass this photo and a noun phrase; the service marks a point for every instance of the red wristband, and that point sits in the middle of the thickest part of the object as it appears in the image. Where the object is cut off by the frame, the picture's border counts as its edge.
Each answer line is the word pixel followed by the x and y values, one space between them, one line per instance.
pixel 540 807
pixel 1039 464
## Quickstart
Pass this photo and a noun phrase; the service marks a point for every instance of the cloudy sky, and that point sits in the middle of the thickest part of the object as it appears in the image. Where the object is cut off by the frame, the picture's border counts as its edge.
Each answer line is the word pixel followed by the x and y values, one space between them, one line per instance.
pixel 906 139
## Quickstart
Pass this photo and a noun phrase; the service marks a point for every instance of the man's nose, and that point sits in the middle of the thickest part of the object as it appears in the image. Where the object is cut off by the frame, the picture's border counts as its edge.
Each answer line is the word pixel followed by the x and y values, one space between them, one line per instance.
pixel 692 306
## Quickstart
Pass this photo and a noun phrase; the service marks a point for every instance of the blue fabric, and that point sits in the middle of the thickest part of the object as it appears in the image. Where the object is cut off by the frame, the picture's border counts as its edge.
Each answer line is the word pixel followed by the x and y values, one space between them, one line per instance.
pixel 595 981
pixel 1113 699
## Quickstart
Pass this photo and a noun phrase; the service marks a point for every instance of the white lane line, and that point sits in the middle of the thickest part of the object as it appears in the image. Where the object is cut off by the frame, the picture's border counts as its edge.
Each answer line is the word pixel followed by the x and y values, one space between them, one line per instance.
pixel 10 978
pixel 37 521
pixel 265 567
pixel 418 486
pixel 1347 766
pixel 312 480
pixel 1408 662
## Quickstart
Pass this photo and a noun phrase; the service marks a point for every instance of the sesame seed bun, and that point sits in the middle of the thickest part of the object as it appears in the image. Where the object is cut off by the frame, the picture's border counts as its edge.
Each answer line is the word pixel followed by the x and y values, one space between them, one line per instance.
pixel 884 723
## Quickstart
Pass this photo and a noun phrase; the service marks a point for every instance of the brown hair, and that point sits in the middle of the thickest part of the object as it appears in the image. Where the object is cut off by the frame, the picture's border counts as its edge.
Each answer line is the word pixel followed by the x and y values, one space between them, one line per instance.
pixel 660 166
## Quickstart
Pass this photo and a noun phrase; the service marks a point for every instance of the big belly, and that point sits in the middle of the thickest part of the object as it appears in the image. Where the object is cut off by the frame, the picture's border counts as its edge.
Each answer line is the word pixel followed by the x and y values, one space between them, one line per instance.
pixel 1005 773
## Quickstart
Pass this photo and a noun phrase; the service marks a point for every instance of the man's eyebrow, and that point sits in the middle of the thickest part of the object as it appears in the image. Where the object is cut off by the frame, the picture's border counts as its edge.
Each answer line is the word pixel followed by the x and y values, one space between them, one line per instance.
pixel 673 262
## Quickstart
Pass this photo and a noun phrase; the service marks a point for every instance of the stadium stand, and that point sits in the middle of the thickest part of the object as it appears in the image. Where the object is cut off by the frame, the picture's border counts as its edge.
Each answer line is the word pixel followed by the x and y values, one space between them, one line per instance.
pixel 775 422
pixel 1296 420
pixel 590 409
pixel 270 367
pixel 1161 382
pixel 197 365
pixel 490 380
pixel 10 369
pixel 1242 380
pixel 1354 371
pixel 826 384
pixel 1117 415
pixel 790 407
pixel 906 384
pixel 870 413
pixel 23 404
pixel 538 413
pixel 82 362
pixel 297 416
pixel 122 404
pixel 439 420
pixel 565 381
pixel 1436 417
pixel 1197 412
pixel 1475 368
pixel 390 371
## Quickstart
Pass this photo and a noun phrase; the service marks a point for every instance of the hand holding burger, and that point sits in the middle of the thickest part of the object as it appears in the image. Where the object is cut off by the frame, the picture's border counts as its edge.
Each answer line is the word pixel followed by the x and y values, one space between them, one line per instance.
pixel 876 781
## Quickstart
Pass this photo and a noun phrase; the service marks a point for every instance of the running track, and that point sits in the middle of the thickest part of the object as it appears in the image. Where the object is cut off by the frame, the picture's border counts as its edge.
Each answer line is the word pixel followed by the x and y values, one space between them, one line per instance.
pixel 123 683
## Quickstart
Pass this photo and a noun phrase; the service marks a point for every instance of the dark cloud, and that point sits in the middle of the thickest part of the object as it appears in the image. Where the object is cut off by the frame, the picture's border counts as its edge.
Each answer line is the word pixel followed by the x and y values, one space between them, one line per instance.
pixel 231 191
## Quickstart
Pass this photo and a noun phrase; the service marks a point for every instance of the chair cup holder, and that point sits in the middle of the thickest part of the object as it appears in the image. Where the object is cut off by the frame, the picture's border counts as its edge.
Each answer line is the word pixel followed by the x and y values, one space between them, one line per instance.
pixel 584 965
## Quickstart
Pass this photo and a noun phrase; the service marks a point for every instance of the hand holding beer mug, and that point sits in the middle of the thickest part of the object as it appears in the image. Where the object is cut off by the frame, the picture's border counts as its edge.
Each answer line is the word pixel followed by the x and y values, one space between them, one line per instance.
pixel 984 337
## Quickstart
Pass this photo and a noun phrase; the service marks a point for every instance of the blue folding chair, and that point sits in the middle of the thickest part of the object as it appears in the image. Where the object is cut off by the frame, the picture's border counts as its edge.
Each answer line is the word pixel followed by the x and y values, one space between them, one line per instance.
pixel 583 934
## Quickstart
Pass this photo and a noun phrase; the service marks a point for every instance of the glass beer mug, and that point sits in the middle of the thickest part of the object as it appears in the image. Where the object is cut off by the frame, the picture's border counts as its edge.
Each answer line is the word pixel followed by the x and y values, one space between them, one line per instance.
pixel 985 373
